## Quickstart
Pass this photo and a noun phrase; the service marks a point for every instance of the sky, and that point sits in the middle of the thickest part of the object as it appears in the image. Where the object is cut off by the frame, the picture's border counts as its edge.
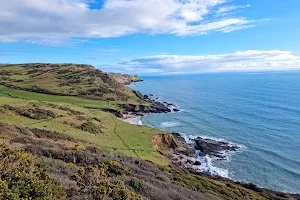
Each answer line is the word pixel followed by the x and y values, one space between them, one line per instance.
pixel 153 36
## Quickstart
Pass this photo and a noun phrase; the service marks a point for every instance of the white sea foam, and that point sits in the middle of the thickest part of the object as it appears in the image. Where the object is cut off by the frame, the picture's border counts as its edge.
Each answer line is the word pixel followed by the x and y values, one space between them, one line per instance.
pixel 207 166
pixel 169 124
pixel 208 162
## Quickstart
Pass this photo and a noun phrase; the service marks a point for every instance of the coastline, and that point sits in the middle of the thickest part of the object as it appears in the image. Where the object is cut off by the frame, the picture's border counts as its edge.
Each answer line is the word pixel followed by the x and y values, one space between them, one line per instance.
pixel 187 156
pixel 193 152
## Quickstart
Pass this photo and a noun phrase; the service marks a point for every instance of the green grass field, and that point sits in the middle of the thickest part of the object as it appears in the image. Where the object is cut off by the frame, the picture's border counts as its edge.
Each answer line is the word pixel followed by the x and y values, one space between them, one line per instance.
pixel 117 135
pixel 6 92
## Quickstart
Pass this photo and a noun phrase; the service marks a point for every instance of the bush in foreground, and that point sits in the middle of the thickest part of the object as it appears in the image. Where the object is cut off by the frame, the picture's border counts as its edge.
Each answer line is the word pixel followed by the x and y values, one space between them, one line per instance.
pixel 22 177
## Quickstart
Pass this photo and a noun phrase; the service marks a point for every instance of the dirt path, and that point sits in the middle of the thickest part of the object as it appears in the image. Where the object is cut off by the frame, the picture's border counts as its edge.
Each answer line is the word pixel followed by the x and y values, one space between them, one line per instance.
pixel 122 140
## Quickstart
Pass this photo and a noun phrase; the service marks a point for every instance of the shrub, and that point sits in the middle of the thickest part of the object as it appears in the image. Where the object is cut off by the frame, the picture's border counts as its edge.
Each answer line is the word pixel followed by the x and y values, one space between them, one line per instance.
pixel 49 134
pixel 37 113
pixel 138 185
pixel 33 113
pixel 97 183
pixel 115 168
pixel 29 140
pixel 22 177
pixel 90 127
pixel 74 112
pixel 114 189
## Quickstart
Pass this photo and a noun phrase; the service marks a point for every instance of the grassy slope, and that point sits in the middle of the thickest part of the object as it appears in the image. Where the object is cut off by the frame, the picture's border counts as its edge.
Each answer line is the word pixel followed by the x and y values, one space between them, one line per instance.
pixel 129 139
pixel 69 79
pixel 57 99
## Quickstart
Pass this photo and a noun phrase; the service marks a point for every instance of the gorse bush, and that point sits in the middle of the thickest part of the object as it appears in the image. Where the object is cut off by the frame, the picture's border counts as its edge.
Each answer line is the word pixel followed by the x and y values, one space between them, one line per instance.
pixel 139 185
pixel 115 168
pixel 114 189
pixel 21 177
pixel 98 182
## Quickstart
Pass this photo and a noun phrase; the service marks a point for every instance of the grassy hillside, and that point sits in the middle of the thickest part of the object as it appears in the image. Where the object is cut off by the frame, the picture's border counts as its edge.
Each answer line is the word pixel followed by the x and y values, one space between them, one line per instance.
pixel 81 153
pixel 114 134
pixel 67 147
pixel 69 79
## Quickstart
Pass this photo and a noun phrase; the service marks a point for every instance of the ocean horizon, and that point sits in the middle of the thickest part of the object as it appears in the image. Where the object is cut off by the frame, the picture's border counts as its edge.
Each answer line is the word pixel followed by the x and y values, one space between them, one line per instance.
pixel 258 111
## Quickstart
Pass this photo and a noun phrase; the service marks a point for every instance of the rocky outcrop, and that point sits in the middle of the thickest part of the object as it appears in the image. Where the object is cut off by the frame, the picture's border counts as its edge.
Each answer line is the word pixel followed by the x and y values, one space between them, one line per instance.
pixel 154 107
pixel 158 107
pixel 183 147
pixel 126 78
pixel 175 147
pixel 213 147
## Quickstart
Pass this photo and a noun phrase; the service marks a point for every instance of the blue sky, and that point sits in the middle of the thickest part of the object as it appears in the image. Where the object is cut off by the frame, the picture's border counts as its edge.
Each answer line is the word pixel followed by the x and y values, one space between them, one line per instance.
pixel 153 36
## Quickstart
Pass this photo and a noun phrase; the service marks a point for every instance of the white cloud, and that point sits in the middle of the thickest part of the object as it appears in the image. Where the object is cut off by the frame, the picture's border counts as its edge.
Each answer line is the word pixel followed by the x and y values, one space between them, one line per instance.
pixel 45 21
pixel 251 60
pixel 228 9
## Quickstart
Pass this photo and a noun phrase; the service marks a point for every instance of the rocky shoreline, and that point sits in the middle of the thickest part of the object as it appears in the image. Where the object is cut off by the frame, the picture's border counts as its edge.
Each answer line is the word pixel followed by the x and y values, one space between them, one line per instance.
pixel 133 113
pixel 188 153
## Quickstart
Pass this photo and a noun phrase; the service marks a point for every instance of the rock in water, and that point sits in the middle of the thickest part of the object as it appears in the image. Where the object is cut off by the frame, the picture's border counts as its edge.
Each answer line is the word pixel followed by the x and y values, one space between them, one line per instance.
pixel 213 147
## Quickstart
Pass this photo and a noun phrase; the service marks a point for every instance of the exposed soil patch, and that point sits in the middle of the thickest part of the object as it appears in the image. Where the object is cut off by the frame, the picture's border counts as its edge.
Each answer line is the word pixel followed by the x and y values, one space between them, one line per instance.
pixel 164 140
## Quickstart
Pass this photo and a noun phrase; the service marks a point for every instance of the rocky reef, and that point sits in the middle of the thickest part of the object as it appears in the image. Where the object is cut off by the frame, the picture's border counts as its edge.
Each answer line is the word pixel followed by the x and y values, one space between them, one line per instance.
pixel 214 147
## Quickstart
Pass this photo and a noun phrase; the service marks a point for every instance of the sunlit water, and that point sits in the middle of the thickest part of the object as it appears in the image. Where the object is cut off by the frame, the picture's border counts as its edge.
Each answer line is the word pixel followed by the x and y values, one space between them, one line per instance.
pixel 260 111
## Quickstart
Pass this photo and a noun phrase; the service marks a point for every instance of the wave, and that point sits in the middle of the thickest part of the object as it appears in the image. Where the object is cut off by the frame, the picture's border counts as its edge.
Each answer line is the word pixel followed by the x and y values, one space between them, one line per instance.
pixel 169 124
pixel 208 167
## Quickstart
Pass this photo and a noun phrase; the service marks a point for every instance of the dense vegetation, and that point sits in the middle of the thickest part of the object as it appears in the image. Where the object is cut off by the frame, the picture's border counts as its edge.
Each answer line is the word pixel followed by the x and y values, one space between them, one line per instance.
pixel 67 147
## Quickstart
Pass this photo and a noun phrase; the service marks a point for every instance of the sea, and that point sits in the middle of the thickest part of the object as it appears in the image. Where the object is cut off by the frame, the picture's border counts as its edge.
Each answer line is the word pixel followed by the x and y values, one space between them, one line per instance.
pixel 258 111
